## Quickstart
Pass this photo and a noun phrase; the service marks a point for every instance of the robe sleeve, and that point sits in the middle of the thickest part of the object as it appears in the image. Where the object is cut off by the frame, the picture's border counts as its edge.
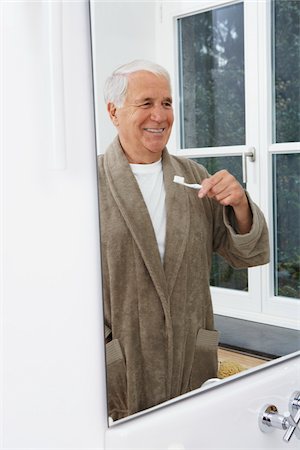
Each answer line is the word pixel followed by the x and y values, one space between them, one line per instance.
pixel 241 250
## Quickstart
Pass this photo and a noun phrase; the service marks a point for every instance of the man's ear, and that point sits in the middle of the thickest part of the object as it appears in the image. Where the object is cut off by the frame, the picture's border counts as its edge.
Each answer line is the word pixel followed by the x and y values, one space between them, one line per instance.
pixel 112 111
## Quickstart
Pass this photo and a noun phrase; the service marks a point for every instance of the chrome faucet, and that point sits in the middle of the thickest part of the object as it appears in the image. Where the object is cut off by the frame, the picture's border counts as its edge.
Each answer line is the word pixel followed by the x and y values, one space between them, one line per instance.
pixel 269 418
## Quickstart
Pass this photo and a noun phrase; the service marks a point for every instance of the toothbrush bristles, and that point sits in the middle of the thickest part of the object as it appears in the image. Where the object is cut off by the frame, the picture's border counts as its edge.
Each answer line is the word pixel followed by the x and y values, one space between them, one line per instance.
pixel 178 179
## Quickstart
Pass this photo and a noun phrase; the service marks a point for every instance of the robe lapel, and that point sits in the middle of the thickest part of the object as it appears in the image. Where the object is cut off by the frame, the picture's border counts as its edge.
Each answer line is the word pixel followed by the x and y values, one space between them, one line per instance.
pixel 131 204
pixel 178 222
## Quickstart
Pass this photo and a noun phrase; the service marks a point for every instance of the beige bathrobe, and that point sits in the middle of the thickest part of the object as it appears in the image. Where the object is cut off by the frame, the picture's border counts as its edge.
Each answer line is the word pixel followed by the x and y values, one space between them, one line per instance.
pixel 160 332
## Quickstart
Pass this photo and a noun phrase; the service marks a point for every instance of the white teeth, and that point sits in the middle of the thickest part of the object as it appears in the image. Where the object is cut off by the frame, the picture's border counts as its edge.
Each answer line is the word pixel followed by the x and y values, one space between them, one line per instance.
pixel 155 130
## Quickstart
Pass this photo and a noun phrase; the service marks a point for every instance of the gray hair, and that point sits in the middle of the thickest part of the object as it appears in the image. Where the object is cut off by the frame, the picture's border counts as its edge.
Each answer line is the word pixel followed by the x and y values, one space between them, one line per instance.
pixel 115 88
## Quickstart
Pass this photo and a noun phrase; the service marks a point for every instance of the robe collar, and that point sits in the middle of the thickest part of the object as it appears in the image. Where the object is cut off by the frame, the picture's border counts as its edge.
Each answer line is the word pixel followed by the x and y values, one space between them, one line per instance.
pixel 130 202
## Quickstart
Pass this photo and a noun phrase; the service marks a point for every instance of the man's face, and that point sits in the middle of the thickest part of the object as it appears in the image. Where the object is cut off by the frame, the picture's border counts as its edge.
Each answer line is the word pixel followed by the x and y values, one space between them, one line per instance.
pixel 145 120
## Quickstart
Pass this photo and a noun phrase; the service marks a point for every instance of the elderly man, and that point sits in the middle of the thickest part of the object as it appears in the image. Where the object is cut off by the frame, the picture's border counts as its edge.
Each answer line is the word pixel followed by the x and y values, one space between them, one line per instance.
pixel 157 243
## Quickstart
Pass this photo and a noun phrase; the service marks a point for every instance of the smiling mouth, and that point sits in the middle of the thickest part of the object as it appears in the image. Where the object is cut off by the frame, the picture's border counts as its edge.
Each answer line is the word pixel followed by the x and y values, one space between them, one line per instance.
pixel 155 130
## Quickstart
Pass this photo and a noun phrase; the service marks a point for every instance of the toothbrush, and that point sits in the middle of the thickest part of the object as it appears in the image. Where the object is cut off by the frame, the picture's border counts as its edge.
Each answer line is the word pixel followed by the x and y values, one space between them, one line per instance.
pixel 180 180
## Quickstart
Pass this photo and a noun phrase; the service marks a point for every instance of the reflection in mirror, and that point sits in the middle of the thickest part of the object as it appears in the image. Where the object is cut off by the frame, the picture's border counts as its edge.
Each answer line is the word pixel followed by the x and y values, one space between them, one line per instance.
pixel 159 239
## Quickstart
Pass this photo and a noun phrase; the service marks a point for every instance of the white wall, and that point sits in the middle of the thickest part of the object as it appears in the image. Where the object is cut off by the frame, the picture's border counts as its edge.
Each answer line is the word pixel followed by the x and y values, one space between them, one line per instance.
pixel 52 359
pixel 122 31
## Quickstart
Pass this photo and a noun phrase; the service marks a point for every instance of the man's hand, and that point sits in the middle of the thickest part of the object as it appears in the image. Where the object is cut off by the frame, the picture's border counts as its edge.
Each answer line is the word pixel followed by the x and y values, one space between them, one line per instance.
pixel 226 190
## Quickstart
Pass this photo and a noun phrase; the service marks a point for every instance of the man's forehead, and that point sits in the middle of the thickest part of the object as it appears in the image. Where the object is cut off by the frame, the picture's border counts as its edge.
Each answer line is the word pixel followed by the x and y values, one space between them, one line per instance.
pixel 147 85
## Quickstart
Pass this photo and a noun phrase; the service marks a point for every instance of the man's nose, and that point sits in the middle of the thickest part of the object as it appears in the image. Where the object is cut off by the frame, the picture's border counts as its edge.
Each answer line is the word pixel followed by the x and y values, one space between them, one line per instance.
pixel 158 113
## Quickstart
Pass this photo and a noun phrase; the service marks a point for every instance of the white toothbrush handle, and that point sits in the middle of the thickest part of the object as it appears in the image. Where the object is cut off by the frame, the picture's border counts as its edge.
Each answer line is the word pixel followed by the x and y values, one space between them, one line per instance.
pixel 194 186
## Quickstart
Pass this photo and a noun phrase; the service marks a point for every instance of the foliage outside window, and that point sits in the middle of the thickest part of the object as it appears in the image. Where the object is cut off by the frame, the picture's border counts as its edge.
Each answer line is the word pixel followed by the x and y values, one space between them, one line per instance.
pixel 222 274
pixel 286 167
pixel 287 218
pixel 286 68
pixel 211 59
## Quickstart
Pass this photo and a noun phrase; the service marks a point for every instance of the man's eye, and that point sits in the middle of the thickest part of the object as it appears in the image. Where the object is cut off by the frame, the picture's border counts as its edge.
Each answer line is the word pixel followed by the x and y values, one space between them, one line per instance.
pixel 167 105
pixel 145 105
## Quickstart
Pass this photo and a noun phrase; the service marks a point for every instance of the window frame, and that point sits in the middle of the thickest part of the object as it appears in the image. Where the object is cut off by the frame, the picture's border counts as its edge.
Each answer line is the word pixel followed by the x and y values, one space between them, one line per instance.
pixel 261 304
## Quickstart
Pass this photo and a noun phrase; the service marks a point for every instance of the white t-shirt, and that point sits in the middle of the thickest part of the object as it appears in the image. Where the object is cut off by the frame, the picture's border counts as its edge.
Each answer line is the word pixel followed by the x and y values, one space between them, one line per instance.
pixel 151 183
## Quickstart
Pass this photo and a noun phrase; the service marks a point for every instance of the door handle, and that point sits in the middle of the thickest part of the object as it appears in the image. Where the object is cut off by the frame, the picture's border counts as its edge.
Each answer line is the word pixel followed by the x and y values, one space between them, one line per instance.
pixel 269 418
pixel 250 153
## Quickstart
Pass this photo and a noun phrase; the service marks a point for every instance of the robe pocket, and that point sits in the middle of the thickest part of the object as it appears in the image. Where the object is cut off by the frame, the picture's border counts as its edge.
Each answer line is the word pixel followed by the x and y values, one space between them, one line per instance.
pixel 205 363
pixel 116 380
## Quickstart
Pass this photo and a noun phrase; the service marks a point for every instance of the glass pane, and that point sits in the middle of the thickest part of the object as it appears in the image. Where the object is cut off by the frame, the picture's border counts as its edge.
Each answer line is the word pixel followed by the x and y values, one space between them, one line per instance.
pixel 286 67
pixel 286 170
pixel 211 62
pixel 222 274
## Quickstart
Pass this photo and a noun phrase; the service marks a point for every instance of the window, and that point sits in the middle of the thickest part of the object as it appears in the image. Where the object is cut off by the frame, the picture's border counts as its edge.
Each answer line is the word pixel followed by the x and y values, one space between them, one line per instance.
pixel 212 109
pixel 211 68
pixel 286 70
pixel 286 129
pixel 286 179
pixel 237 72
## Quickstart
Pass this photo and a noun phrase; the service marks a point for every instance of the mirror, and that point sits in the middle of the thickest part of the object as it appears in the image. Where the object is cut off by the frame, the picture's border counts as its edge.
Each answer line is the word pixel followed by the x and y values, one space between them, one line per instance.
pixel 126 31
